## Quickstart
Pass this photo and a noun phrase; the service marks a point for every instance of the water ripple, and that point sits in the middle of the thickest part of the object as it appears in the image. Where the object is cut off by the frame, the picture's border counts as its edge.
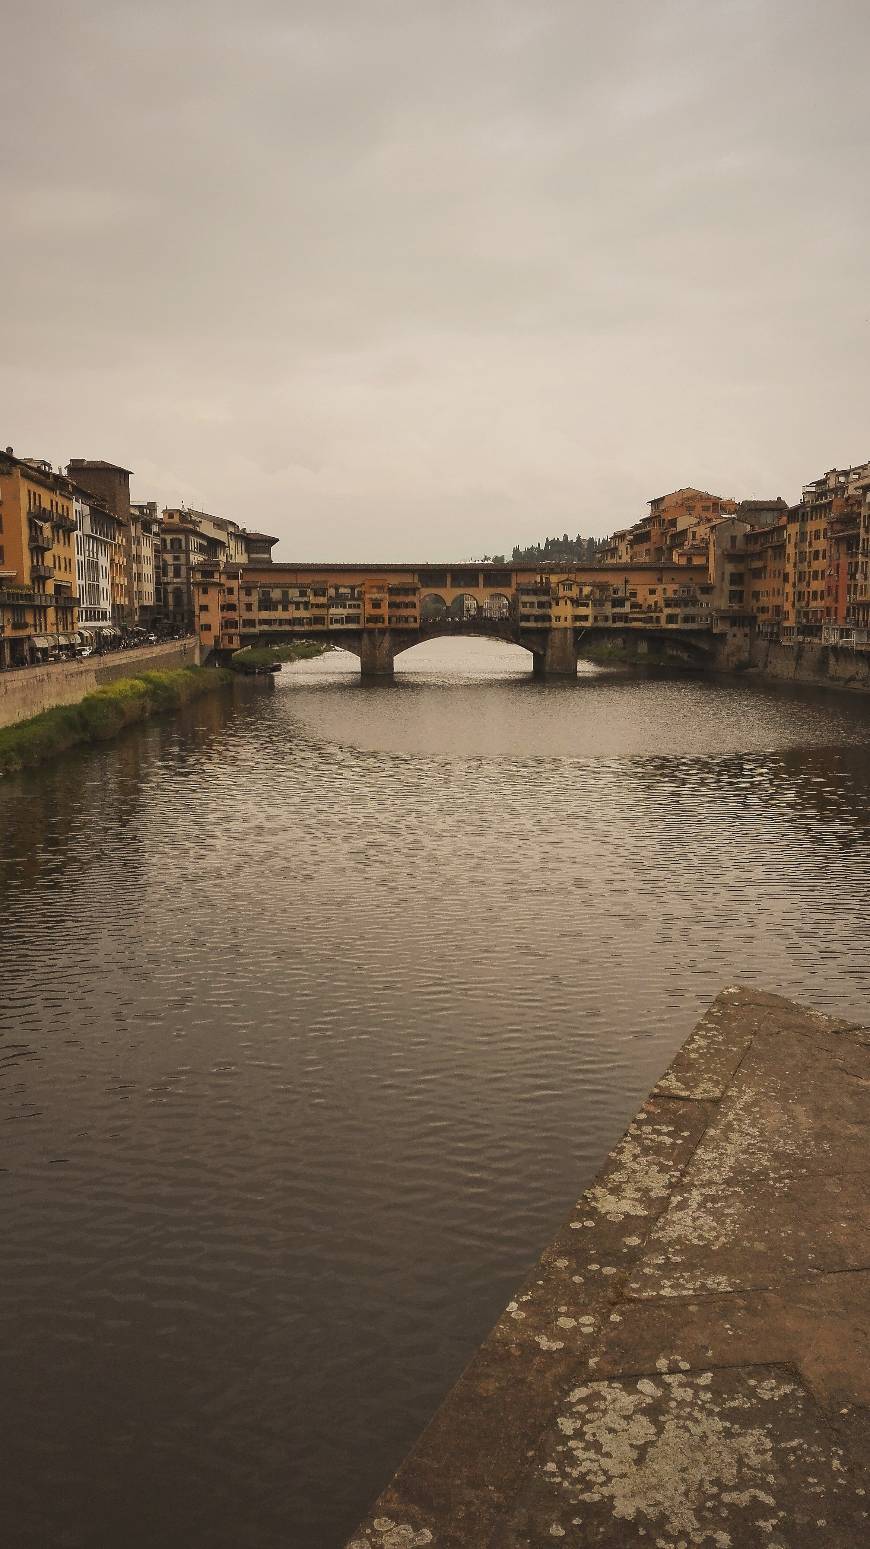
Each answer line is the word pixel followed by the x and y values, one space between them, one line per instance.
pixel 318 1010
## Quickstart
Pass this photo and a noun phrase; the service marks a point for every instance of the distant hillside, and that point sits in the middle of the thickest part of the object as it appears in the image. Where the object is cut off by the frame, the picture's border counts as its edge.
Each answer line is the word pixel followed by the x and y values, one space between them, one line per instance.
pixel 553 551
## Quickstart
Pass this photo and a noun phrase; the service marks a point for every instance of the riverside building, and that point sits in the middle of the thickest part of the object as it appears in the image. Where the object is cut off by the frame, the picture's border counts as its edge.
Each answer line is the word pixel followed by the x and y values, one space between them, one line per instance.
pixel 110 483
pixel 97 536
pixel 189 539
pixel 38 578
pixel 145 531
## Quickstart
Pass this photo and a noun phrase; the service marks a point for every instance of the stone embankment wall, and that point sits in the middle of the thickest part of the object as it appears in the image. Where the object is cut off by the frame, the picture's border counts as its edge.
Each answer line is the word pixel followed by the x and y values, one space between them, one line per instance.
pixel 26 691
pixel 827 665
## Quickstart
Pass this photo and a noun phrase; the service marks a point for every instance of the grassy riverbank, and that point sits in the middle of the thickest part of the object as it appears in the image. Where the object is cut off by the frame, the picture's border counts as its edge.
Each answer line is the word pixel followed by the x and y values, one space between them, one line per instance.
pixel 260 658
pixel 104 713
pixel 656 655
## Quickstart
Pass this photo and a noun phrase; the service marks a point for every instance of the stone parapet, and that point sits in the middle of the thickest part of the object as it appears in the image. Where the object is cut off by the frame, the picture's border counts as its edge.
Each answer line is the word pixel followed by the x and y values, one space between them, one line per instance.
pixel 26 691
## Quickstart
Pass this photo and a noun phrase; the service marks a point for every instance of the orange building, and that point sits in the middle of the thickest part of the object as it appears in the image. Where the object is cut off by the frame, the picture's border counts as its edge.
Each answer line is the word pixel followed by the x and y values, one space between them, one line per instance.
pixel 38 599
pixel 767 573
pixel 239 605
pixel 679 523
pixel 828 555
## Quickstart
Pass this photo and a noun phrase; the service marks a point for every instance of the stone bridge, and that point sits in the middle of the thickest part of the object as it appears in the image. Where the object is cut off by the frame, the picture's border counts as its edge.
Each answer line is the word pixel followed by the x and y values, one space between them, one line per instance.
pixel 377 612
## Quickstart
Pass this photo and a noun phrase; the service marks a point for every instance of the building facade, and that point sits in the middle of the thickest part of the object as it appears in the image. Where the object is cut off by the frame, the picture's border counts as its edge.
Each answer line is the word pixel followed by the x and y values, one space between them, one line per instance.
pixel 111 484
pixel 187 540
pixel 145 531
pixel 97 537
pixel 38 578
pixel 237 605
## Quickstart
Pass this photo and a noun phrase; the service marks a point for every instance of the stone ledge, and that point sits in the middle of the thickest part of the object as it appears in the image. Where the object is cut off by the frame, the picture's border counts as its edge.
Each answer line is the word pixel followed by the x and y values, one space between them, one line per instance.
pixel 707 1299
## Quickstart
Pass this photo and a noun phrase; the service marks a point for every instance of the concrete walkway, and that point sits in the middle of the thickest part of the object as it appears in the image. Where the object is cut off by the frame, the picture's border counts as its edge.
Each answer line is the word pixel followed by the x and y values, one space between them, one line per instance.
pixel 689 1363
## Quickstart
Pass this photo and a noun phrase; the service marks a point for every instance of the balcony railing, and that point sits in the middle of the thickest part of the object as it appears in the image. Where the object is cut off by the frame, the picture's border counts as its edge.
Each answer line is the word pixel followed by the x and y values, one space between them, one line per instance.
pixel 40 536
pixel 42 572
pixel 21 596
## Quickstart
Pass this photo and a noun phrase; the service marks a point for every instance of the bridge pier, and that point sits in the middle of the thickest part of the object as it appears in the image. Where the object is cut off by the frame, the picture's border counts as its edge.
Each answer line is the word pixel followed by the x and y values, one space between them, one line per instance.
pixel 376 654
pixel 559 656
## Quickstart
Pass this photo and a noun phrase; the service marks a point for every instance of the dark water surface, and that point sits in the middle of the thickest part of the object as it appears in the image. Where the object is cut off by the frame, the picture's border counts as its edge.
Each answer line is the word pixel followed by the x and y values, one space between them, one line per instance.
pixel 318 1009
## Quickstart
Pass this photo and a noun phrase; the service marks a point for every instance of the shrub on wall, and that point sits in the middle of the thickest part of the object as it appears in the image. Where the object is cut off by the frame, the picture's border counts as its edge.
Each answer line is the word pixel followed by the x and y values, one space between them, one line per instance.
pixel 104 713
pixel 253 658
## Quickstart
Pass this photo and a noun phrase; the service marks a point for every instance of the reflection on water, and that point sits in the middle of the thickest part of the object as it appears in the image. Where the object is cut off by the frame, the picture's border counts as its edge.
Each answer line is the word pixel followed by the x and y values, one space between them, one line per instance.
pixel 319 1008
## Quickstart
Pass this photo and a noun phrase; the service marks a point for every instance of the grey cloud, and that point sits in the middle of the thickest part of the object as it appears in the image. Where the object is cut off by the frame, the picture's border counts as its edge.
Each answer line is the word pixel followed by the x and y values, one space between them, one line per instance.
pixel 410 274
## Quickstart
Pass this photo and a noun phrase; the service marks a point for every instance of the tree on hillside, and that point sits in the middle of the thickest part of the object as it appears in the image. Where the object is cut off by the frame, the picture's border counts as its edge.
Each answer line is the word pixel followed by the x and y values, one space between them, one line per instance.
pixel 554 551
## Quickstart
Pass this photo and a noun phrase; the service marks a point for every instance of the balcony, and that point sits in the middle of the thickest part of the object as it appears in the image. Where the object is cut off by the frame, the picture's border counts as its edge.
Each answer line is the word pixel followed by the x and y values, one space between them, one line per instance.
pixel 22 597
pixel 63 523
pixel 40 536
pixel 42 572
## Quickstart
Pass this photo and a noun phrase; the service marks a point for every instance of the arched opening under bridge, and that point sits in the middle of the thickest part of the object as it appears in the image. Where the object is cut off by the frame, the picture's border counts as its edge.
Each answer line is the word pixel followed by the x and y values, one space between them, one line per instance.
pixel 464 653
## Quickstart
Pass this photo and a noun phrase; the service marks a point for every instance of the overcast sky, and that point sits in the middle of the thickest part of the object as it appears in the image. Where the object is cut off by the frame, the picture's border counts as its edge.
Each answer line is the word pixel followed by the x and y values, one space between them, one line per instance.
pixel 413 278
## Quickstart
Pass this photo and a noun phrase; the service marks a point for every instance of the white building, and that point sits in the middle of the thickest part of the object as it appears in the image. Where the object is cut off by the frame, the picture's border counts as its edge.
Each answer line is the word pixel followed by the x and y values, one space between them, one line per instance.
pixel 96 536
pixel 145 524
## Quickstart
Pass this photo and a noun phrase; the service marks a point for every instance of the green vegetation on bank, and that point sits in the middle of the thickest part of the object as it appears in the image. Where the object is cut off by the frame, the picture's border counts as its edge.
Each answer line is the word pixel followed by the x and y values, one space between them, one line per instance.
pixel 261 658
pixel 103 714
pixel 619 650
pixel 656 653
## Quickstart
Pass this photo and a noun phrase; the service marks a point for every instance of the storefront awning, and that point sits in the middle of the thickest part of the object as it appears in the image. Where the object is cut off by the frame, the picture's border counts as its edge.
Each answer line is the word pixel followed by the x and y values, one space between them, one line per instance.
pixel 41 643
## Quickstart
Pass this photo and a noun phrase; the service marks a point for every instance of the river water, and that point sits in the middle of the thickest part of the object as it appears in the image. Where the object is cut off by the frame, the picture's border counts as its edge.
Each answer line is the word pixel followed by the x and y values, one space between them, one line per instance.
pixel 320 1004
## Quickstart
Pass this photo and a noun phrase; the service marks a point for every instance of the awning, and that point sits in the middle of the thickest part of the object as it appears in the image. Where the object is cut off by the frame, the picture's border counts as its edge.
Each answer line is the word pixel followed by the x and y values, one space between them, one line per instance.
pixel 41 643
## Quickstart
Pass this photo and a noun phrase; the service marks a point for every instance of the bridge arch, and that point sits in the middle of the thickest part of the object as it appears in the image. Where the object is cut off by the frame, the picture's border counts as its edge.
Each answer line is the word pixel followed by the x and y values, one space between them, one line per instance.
pixel 457 629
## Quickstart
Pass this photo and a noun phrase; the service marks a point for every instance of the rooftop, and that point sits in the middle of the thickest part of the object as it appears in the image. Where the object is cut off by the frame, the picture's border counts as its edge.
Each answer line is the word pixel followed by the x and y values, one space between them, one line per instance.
pixel 96 462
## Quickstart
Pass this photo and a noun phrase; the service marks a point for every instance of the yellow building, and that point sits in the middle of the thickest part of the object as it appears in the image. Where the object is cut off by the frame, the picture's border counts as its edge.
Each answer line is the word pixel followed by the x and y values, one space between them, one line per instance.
pixel 38 600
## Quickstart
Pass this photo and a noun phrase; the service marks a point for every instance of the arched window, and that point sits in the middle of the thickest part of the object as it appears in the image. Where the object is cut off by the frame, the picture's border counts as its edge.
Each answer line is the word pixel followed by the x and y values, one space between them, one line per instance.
pixel 464 607
pixel 497 606
pixel 432 607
